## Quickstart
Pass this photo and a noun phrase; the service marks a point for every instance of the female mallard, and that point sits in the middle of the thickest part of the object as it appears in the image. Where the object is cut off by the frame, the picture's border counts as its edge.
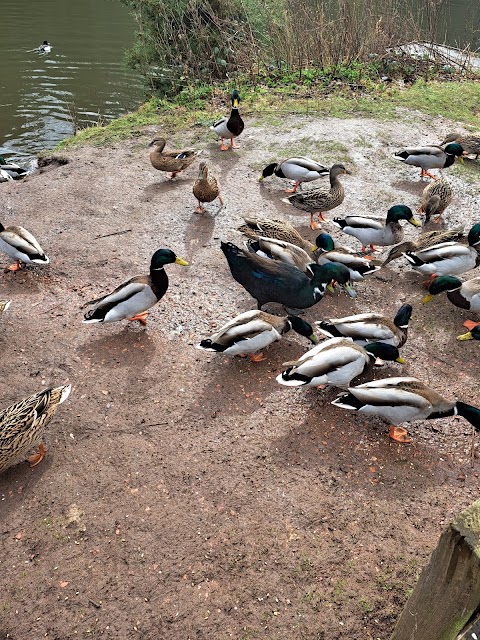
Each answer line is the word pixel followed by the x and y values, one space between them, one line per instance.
pixel 23 423
pixel 465 295
pixel 424 241
pixel 378 231
pixel 448 258
pixel 359 266
pixel 435 199
pixel 230 127
pixel 132 298
pixel 272 281
pixel 281 250
pixel 15 171
pixel 4 304
pixel 398 400
pixel 205 188
pixel 252 331
pixel 335 362
pixel 297 169
pixel 431 157
pixel 469 142
pixel 174 161
pixel 19 244
pixel 276 229
pixel 319 199
pixel 370 327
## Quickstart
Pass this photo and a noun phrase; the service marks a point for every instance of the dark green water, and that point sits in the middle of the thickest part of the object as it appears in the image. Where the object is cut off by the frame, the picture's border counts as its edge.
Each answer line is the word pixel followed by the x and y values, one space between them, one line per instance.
pixel 84 70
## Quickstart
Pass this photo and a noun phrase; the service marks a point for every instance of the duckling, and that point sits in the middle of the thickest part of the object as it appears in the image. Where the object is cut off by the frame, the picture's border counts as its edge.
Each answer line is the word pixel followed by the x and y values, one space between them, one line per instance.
pixel 298 169
pixel 435 199
pixel 283 251
pixel 275 229
pixel 22 426
pixel 378 231
pixel 174 161
pixel 335 362
pixel 205 188
pixel 465 295
pixel 447 258
pixel 359 266
pixel 4 304
pixel 370 327
pixel 469 142
pixel 425 240
pixel 252 331
pixel 15 171
pixel 320 199
pixel 45 47
pixel 431 157
pixel 230 127
pixel 19 244
pixel 132 298
pixel 398 400
pixel 272 281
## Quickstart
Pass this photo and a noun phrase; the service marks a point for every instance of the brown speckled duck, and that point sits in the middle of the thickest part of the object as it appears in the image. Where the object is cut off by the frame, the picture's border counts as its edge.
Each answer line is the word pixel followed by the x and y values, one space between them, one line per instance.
pixel 174 161
pixel 205 188
pixel 435 199
pixel 469 142
pixel 275 229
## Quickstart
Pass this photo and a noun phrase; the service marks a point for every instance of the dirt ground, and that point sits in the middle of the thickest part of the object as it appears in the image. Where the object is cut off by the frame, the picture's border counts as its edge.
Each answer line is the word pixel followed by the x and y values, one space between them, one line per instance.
pixel 187 495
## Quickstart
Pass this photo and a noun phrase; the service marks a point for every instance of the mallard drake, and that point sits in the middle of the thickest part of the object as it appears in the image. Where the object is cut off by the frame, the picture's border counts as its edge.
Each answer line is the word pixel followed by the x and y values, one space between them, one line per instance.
pixel 448 258
pixel 319 199
pixel 469 142
pixel 425 240
pixel 435 199
pixel 370 327
pixel 15 171
pixel 372 230
pixel 276 229
pixel 45 47
pixel 174 161
pixel 19 244
pixel 205 188
pixel 465 295
pixel 5 176
pixel 230 127
pixel 22 425
pixel 4 304
pixel 297 169
pixel 272 281
pixel 281 250
pixel 335 362
pixel 252 331
pixel 132 298
pixel 398 400
pixel 359 266
pixel 431 157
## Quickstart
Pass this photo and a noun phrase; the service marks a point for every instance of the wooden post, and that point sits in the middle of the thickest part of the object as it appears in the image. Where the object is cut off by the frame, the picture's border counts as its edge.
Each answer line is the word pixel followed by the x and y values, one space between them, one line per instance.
pixel 447 593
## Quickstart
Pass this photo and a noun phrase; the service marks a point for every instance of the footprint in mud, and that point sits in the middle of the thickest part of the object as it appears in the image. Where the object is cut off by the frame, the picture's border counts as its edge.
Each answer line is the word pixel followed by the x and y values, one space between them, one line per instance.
pixel 199 230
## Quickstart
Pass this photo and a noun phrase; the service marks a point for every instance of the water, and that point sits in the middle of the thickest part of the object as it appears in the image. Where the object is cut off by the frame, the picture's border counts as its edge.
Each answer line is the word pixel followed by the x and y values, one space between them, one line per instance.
pixel 84 73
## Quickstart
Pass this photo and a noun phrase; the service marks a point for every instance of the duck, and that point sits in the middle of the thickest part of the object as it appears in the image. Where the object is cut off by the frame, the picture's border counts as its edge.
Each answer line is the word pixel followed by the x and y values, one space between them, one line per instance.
pixel 431 157
pixel 252 331
pixel 15 171
pixel 299 169
pixel 45 47
pixel 473 332
pixel 435 199
pixel 465 295
pixel 19 244
pixel 5 176
pixel 174 161
pixel 319 199
pixel 4 304
pixel 359 266
pixel 205 188
pixel 230 127
pixel 447 258
pixel 272 281
pixel 335 362
pixel 276 229
pixel 469 142
pixel 399 400
pixel 372 230
pixel 425 240
pixel 22 426
pixel 281 250
pixel 370 327
pixel 132 298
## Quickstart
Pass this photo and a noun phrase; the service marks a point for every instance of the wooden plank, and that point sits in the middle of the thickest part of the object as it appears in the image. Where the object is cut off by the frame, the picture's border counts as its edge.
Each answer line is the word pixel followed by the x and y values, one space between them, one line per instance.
pixel 472 630
pixel 448 591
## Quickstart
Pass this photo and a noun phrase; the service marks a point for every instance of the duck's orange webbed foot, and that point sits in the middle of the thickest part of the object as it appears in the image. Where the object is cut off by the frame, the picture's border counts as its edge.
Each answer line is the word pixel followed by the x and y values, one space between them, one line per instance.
pixel 14 267
pixel 173 175
pixel 470 324
pixel 314 225
pixel 426 173
pixel 399 434
pixel 37 457
pixel 322 386
pixel 223 146
pixel 232 145
pixel 141 317
pixel 199 209
pixel 257 357
pixel 294 188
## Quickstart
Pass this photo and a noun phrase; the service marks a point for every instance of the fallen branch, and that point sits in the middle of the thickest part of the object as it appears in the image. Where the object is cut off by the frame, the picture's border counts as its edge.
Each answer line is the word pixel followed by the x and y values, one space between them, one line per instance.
pixel 115 233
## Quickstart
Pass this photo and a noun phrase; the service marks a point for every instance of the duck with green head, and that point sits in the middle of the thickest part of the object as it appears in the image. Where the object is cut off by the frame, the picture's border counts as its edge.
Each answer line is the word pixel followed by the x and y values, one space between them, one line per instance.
pixel 465 295
pixel 15 171
pixel 359 266
pixel 298 170
pixel 230 127
pixel 431 157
